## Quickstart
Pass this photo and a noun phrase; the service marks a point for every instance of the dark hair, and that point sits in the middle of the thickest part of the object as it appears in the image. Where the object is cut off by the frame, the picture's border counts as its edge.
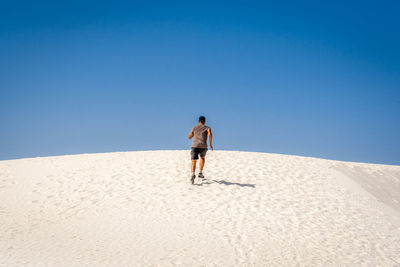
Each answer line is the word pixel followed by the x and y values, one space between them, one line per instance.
pixel 202 119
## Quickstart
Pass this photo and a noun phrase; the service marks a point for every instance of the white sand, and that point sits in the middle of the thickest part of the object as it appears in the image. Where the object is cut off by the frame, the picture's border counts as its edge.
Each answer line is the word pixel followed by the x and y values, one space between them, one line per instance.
pixel 255 209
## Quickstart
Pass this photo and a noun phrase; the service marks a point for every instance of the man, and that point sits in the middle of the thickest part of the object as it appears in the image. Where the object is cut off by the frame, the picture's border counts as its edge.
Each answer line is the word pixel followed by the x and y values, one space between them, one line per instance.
pixel 199 134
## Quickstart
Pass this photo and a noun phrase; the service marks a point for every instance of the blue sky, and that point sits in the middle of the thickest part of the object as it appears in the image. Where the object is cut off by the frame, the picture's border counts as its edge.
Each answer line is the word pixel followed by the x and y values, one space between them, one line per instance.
pixel 313 78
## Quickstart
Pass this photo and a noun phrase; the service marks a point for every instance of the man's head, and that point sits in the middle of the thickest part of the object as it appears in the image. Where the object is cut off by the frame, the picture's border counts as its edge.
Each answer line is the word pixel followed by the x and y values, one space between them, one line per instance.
pixel 202 119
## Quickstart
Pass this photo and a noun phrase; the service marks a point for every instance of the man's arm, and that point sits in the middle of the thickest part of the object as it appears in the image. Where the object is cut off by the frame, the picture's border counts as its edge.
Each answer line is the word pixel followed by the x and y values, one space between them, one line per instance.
pixel 210 138
pixel 191 134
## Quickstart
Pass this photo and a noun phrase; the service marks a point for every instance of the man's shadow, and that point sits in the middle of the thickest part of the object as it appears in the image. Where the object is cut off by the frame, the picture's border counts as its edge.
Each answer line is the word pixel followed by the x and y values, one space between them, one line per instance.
pixel 226 183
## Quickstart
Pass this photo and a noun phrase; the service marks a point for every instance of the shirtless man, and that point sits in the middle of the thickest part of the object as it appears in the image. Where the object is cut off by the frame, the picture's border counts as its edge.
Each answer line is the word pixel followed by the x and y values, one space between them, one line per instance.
pixel 199 146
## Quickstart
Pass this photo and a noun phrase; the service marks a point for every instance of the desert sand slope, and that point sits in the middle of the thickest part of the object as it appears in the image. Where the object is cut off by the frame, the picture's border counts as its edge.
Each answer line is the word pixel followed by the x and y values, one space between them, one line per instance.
pixel 254 209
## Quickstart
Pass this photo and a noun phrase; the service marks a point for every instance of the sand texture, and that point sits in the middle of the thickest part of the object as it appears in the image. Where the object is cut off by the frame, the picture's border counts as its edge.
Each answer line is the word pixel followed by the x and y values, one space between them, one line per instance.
pixel 253 209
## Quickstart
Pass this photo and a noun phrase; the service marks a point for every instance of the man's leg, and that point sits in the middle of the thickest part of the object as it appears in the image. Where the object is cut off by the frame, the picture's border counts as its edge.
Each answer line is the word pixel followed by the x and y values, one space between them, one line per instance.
pixel 202 161
pixel 203 153
pixel 193 167
pixel 194 155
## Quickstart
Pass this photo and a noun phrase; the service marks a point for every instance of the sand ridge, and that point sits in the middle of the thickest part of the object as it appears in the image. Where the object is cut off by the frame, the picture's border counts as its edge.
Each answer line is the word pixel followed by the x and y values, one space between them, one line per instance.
pixel 254 209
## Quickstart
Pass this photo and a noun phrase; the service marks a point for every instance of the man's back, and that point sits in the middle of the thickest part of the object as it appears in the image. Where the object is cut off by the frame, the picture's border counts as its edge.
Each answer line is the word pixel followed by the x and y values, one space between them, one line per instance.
pixel 200 133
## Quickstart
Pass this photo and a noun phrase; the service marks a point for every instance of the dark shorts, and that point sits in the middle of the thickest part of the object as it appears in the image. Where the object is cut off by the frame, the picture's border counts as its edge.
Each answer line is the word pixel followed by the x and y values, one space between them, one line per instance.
pixel 196 151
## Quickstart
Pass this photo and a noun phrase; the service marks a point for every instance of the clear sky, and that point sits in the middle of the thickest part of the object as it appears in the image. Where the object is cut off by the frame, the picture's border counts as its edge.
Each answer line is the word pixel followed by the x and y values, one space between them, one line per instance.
pixel 313 78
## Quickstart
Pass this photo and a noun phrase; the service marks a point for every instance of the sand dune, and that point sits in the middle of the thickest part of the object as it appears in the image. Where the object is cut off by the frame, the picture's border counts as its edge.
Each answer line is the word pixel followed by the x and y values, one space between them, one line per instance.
pixel 254 209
